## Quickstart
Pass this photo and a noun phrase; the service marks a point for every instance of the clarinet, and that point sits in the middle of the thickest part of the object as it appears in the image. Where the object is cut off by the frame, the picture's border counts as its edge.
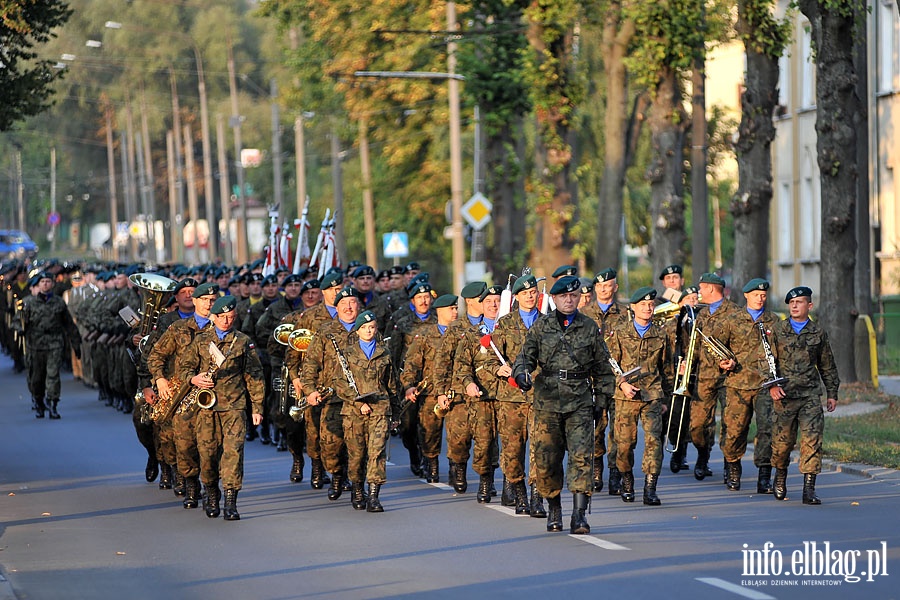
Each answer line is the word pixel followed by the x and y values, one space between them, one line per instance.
pixel 770 358
pixel 345 366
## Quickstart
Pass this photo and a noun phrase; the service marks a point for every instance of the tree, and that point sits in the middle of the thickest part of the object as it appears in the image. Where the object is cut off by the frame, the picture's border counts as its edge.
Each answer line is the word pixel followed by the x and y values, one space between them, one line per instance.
pixel 764 38
pixel 840 113
pixel 25 82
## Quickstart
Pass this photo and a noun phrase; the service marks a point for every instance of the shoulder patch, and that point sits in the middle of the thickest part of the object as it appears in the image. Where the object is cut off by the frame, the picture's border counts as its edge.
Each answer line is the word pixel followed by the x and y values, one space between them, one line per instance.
pixel 251 345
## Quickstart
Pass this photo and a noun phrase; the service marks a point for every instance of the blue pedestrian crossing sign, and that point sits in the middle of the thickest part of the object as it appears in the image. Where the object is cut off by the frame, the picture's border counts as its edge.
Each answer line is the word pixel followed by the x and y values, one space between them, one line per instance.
pixel 396 244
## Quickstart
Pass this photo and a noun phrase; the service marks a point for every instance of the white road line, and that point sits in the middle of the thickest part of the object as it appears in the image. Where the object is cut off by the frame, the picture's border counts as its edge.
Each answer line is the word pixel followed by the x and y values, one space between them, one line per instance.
pixel 598 542
pixel 736 589
pixel 506 510
pixel 440 486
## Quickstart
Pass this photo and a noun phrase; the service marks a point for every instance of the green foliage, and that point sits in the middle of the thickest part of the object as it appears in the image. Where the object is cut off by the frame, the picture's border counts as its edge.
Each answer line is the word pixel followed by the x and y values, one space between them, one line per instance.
pixel 25 81
pixel 760 31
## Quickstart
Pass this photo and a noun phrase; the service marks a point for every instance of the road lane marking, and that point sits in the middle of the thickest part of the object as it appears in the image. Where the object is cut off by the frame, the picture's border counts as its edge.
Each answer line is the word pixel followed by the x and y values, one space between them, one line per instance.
pixel 600 543
pixel 736 589
pixel 440 486
pixel 506 510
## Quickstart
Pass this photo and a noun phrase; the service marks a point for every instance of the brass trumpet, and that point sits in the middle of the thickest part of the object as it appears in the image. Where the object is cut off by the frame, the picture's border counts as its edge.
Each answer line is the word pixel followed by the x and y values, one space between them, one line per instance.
pixel 715 347
pixel 443 412
pixel 665 312
pixel 296 411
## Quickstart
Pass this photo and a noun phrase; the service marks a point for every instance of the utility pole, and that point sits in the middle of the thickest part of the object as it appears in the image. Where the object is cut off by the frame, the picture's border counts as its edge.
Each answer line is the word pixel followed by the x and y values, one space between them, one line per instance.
pixel 192 191
pixel 368 201
pixel 207 161
pixel 276 149
pixel 459 249
pixel 174 234
pixel 150 209
pixel 699 191
pixel 338 185
pixel 300 158
pixel 113 201
pixel 236 125
pixel 53 197
pixel 178 216
pixel 224 189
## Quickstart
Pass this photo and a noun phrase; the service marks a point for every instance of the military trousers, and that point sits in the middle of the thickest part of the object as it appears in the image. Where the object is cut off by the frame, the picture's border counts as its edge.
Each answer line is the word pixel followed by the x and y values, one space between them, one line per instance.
pixel 184 430
pixel 703 413
pixel 739 408
pixel 366 439
pixel 649 414
pixel 331 436
pixel 43 372
pixel 801 414
pixel 605 426
pixel 431 427
pixel 483 423
pixel 513 419
pixel 311 421
pixel 459 435
pixel 556 434
pixel 220 443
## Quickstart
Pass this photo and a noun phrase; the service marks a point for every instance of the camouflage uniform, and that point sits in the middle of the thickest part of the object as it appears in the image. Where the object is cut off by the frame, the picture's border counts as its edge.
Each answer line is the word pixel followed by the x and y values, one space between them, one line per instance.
pixel 379 305
pixel 650 352
pixel 47 323
pixel 421 367
pixel 472 364
pixel 806 360
pixel 221 429
pixel 459 434
pixel 569 360
pixel 604 405
pixel 743 388
pixel 366 435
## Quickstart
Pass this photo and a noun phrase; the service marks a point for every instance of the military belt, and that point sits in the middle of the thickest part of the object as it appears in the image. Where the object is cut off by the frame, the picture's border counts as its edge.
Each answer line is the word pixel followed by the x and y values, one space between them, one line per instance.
pixel 565 374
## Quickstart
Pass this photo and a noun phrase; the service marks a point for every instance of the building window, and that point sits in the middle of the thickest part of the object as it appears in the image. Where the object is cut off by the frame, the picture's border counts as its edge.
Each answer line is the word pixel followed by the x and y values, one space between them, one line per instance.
pixel 811 216
pixel 807 68
pixel 784 226
pixel 784 83
pixel 886 45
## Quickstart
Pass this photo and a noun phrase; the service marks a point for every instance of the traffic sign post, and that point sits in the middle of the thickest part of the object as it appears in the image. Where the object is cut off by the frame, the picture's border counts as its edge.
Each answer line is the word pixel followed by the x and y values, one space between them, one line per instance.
pixel 395 244
pixel 477 211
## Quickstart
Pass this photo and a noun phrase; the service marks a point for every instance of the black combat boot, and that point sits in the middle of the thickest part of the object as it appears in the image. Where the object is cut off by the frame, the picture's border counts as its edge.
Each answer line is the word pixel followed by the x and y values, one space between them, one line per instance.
pixel 650 497
pixel 675 461
pixel 336 488
pixel 374 504
pixel 537 504
pixel 358 497
pixel 152 470
pixel 628 486
pixel 578 524
pixel 282 444
pixel 231 512
pixel 346 484
pixel 701 469
pixel 733 476
pixel 554 514
pixel 521 497
pixel 191 492
pixel 764 480
pixel 460 485
pixel 432 476
pixel 51 404
pixel 484 490
pixel 682 455
pixel 598 474
pixel 178 488
pixel 508 496
pixel 297 469
pixel 128 407
pixel 165 477
pixel 211 501
pixel 492 489
pixel 265 438
pixel 251 434
pixel 615 482
pixel 809 489
pixel 415 463
pixel 780 484
pixel 725 473
pixel 316 480
pixel 37 404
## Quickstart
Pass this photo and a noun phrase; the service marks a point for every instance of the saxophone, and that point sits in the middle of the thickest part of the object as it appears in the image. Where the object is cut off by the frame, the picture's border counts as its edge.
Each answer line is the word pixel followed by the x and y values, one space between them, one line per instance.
pixel 163 410
pixel 201 397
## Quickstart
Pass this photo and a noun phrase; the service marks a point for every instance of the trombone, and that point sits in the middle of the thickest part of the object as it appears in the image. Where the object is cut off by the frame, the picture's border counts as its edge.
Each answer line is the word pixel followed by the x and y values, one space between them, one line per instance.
pixel 681 391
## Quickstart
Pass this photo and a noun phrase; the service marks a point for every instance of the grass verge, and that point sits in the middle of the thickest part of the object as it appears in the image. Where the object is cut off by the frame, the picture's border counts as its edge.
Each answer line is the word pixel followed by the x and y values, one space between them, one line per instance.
pixel 872 438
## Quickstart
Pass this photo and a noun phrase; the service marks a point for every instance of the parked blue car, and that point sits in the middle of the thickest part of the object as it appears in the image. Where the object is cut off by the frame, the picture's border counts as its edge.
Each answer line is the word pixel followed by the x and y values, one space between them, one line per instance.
pixel 15 244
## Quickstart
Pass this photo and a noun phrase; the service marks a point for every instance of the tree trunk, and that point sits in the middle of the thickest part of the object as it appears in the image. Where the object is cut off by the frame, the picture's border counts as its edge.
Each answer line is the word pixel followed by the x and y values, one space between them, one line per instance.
pixel 505 184
pixel 838 112
pixel 665 174
pixel 616 38
pixel 750 205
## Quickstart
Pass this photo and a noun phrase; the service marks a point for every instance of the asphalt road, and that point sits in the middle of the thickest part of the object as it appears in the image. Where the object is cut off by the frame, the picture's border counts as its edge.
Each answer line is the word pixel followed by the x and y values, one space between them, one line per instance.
pixel 77 520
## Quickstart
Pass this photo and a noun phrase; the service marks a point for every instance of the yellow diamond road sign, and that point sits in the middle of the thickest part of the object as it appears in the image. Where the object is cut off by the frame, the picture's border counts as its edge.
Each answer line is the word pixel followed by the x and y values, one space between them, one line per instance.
pixel 477 211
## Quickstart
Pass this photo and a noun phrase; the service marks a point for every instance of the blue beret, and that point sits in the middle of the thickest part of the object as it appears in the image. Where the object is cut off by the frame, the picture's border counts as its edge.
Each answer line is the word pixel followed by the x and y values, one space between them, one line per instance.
pixel 363 270
pixel 270 280
pixel 312 284
pixel 419 288
pixel 566 284
pixel 292 279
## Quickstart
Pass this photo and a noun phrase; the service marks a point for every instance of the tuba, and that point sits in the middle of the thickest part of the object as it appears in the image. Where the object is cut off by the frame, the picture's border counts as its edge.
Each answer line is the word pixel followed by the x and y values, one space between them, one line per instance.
pixel 296 339
pixel 282 332
pixel 665 312
pixel 299 340
pixel 155 293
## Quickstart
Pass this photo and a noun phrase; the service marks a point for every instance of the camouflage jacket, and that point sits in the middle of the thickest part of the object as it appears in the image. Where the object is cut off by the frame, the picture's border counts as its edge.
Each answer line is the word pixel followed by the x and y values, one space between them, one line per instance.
pixel 651 353
pixel 473 363
pixel 167 351
pixel 372 376
pixel 617 314
pixel 237 379
pixel 509 337
pixel 162 324
pixel 380 306
pixel 265 326
pixel 320 367
pixel 741 334
pixel 250 317
pixel 709 324
pixel 805 359
pixel 402 328
pixel 421 360
pixel 572 362
pixel 313 319
pixel 47 323
pixel 444 376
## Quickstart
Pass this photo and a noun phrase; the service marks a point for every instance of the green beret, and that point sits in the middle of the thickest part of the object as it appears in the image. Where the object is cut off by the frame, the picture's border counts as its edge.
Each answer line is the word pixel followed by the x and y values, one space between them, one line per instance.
pixel 223 305
pixel 473 289
pixel 44 275
pixel 691 289
pixel 755 284
pixel 525 282
pixel 420 288
pixel 366 316
pixel 800 290
pixel 445 301
pixel 566 284
pixel 363 270
pixel 312 284
pixel 333 279
pixel 587 286
pixel 292 279
pixel 565 270
pixel 712 278
pixel 671 270
pixel 493 290
pixel 269 280
pixel 347 292
pixel 605 275
pixel 644 293
pixel 206 289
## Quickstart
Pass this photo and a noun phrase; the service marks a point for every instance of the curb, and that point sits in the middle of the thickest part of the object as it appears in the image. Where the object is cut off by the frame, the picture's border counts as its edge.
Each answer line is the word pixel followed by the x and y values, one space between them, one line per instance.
pixel 882 474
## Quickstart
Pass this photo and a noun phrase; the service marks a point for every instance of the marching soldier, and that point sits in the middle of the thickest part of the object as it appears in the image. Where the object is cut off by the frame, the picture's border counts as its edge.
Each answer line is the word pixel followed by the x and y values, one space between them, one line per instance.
pixel 608 314
pixel 805 359
pixel 569 351
pixel 640 344
pixel 744 393
pixel 366 410
pixel 221 428
pixel 46 323
pixel 364 282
